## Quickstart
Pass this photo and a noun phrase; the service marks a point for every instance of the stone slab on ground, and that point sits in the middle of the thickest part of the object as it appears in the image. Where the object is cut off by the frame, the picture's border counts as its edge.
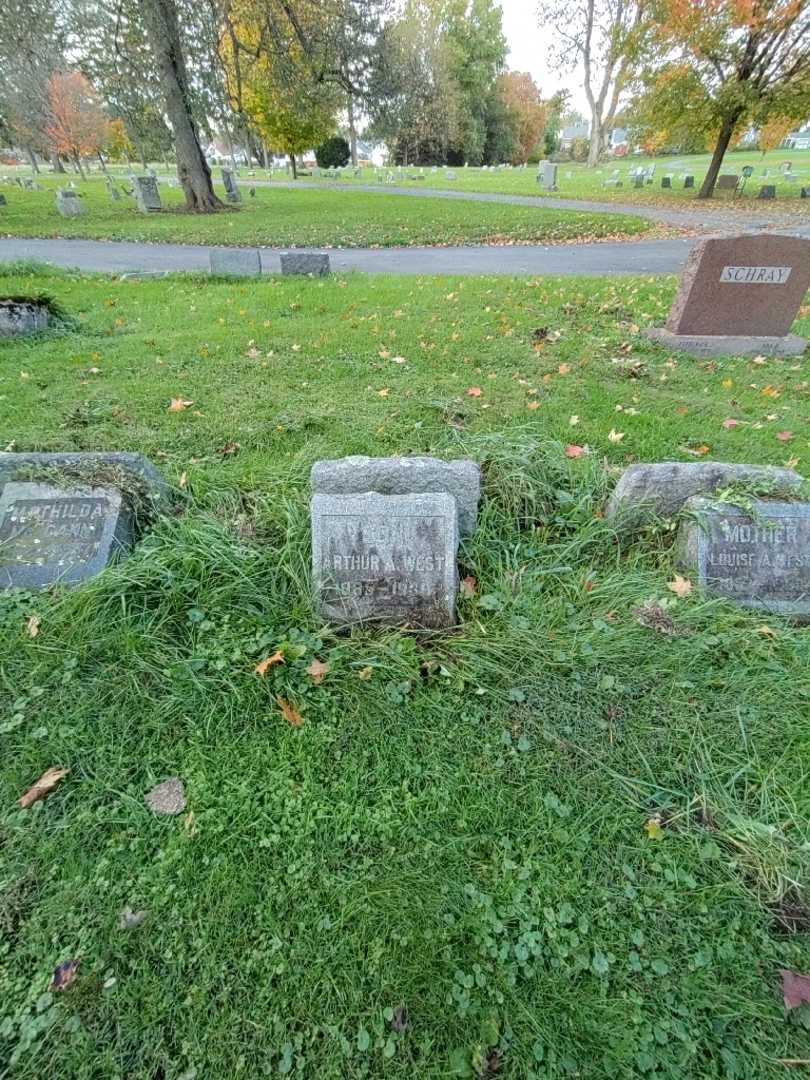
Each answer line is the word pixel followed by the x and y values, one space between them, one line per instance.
pixel 757 557
pixel 22 317
pixel 461 478
pixel 121 469
pixel 727 344
pixel 241 262
pixel 660 489
pixel 386 559
pixel 51 534
pixel 304 262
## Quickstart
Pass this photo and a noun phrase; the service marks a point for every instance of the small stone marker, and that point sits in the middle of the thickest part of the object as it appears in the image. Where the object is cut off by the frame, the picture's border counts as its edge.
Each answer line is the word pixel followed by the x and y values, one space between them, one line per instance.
pixel 739 296
pixel 167 798
pixel 52 533
pixel 3 199
pixel 461 478
pixel 68 203
pixel 689 181
pixel 638 181
pixel 147 195
pixel 242 262
pixel 232 192
pixel 450 175
pixel 305 262
pixel 758 558
pixel 386 559
pixel 727 182
pixel 767 191
pixel 22 317
pixel 660 489
pixel 547 175
pixel 805 193
pixel 666 181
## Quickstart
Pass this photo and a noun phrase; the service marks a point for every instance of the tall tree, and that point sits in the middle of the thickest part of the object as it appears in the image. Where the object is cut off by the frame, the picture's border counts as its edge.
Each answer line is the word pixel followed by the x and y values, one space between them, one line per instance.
pixel 603 37
pixel 522 97
pixel 78 126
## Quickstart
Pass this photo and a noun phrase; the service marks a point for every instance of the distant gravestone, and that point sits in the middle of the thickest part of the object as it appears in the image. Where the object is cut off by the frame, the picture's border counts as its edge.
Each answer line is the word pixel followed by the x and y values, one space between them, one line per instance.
pixel 689 181
pixel 386 559
pixel 52 533
pixel 805 193
pixel 241 262
pixel 666 181
pixel 3 199
pixel 305 262
pixel 232 192
pixel 68 203
pixel 739 296
pixel 450 175
pixel 757 557
pixel 146 193
pixel 767 191
pixel 727 182
pixel 660 489
pixel 638 180
pixel 22 317
pixel 547 175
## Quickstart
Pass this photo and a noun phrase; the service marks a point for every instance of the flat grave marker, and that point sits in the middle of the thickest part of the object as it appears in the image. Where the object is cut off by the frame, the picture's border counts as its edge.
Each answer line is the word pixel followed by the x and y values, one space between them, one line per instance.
pixel 240 262
pixel 305 262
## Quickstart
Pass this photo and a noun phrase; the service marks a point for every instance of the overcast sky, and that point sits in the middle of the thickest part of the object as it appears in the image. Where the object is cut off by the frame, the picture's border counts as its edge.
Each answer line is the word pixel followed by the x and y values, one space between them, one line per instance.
pixel 528 52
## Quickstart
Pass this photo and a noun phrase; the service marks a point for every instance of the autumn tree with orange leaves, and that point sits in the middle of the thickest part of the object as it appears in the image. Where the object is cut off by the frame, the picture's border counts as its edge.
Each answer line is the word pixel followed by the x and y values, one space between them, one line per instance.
pixel 730 65
pixel 521 95
pixel 78 126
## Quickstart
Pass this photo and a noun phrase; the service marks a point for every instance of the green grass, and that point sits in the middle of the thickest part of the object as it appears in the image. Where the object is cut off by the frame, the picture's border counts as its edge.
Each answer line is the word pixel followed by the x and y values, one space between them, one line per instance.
pixel 283 217
pixel 462 833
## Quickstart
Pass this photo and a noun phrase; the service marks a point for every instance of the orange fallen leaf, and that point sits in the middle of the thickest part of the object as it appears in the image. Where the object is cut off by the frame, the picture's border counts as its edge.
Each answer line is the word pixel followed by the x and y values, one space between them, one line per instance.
pixel 730 422
pixel 263 665
pixel 682 410
pixel 468 586
pixel 474 391
pixel 795 989
pixel 727 384
pixel 574 451
pixel 681 586
pixel 178 404
pixel 563 369
pixel 317 669
pixel 701 450
pixel 43 787
pixel 784 436
pixel 33 625
pixel 64 975
pixel 770 391
pixel 289 712
pixel 533 405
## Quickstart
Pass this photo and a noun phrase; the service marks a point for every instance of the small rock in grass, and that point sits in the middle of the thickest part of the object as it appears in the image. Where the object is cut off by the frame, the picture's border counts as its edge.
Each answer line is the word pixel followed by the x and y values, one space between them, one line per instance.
pixel 129 919
pixel 168 797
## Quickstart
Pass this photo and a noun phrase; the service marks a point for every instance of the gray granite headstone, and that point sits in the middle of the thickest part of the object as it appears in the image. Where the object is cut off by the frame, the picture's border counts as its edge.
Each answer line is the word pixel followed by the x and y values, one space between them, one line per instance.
pixel 388 559
pixel 767 191
pixel 147 195
pixel 727 182
pixel 666 181
pixel 461 478
pixel 112 468
pixel 547 175
pixel 304 262
pixel 758 557
pixel 68 203
pixel 3 199
pixel 243 262
pixel 232 192
pixel 660 489
pixel 51 533
pixel 22 317
pixel 689 181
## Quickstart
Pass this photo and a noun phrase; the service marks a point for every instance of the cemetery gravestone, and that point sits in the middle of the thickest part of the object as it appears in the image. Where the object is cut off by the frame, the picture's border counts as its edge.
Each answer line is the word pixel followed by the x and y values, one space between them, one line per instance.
pixel 68 203
pixel 147 195
pixel 450 175
pixel 767 191
pixel 689 181
pixel 305 262
pixel 638 181
pixel 547 175
pixel 387 559
pixel 232 192
pixel 805 193
pixel 739 295
pixel 22 317
pixel 727 182
pixel 666 181
pixel 2 200
pixel 242 262
pixel 760 558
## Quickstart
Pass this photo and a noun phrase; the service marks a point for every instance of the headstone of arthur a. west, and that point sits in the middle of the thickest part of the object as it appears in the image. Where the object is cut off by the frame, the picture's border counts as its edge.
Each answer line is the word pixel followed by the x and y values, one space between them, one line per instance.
pixel 739 295
pixel 240 262
pixel 53 533
pixel 758 556
pixel 146 192
pixel 304 262
pixel 68 203
pixel 386 559
pixel 232 192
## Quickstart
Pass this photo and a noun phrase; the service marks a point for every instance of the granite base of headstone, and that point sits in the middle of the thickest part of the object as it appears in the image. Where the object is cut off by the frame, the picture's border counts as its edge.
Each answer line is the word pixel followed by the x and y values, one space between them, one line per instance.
pixel 660 489
pixel 386 559
pixel 759 556
pixel 460 478
pixel 238 262
pixel 22 317
pixel 305 262
pixel 68 203
pixel 739 296
pixel 146 193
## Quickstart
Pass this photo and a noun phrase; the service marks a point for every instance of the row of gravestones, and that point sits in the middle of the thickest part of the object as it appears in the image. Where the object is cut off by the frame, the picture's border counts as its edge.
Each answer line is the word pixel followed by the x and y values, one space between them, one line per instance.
pixel 386 531
pixel 145 190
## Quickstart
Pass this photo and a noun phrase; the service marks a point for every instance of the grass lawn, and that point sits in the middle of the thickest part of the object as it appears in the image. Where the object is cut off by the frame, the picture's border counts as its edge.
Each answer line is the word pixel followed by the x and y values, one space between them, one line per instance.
pixel 283 217
pixel 557 842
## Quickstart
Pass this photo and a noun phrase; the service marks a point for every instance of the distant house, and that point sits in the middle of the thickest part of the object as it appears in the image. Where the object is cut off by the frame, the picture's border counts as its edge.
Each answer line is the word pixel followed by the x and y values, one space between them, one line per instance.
pixel 573 131
pixel 800 139
pixel 618 140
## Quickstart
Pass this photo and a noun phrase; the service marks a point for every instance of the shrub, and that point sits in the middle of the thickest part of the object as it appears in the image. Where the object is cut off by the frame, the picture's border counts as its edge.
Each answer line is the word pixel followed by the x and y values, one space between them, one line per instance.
pixel 334 153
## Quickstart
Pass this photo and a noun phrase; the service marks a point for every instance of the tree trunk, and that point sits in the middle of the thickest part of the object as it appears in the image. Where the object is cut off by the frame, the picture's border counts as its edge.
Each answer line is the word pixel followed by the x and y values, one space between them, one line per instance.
pixel 163 31
pixel 352 130
pixel 723 140
pixel 56 163
pixel 32 157
pixel 294 167
pixel 77 161
pixel 102 163
pixel 597 134
pixel 265 156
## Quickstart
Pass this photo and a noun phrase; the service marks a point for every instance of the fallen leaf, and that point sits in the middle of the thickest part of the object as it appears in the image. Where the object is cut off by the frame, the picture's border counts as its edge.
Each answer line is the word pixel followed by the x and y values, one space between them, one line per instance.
pixel 795 989
pixel 317 670
pixel 770 391
pixel 468 586
pixel 682 410
pixel 615 436
pixel 701 451
pixel 398 360
pixel 653 829
pixel 766 632
pixel 183 479
pixel 791 463
pixel 384 392
pixel 727 384
pixel 730 422
pixel 178 404
pixel 33 625
pixel 229 449
pixel 533 405
pixel 64 975
pixel 681 586
pixel 263 665
pixel 574 451
pixel 365 673
pixel 44 786
pixel 573 421
pixel 564 369
pixel 784 436
pixel 474 391
pixel 289 712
